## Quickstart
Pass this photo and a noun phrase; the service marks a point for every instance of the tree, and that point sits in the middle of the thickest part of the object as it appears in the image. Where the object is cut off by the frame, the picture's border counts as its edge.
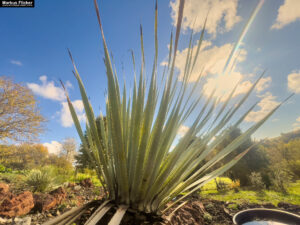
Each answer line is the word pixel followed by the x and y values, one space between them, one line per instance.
pixel 69 147
pixel 254 161
pixel 20 118
pixel 82 158
pixel 284 152
pixel 24 156
pixel 30 156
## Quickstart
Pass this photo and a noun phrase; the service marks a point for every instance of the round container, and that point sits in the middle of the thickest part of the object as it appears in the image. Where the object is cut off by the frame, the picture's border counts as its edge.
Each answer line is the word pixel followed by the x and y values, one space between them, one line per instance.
pixel 271 215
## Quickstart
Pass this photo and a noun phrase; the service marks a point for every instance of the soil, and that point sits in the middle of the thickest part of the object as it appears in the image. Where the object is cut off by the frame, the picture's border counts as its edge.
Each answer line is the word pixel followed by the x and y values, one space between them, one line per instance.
pixel 195 211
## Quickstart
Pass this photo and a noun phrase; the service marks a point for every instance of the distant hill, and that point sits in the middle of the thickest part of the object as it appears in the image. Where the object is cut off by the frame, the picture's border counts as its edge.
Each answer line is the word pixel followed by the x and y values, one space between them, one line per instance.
pixel 286 137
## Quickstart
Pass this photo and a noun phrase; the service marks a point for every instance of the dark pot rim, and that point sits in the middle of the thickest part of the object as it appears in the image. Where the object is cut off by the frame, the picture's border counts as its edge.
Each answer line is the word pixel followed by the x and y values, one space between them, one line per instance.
pixel 265 214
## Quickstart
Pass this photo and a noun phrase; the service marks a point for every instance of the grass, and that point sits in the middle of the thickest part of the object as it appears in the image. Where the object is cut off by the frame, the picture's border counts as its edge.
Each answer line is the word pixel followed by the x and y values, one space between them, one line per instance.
pixel 212 184
pixel 249 196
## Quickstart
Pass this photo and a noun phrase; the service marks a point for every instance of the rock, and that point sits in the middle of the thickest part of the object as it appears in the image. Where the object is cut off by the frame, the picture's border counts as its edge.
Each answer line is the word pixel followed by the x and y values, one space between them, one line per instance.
pixel 45 202
pixel 77 188
pixel 17 205
pixel 59 194
pixel 4 188
pixel 71 185
pixel 24 221
pixel 5 221
pixel 283 205
pixel 66 184
pixel 207 217
pixel 86 183
pixel 17 219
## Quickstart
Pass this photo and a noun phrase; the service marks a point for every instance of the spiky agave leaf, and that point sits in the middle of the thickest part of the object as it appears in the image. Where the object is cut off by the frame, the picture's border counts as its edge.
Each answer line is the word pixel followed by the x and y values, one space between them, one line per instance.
pixel 132 151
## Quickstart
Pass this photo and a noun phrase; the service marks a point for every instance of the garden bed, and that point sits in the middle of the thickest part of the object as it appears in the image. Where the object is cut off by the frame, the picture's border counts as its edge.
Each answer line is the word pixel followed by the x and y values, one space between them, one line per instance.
pixel 195 211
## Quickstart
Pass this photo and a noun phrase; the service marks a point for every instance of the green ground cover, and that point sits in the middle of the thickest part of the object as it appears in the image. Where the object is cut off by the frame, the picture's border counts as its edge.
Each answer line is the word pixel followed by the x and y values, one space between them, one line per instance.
pixel 250 196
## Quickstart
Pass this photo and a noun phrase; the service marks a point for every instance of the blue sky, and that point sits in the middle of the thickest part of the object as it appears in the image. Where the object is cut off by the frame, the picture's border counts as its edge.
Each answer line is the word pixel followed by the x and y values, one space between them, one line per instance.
pixel 34 46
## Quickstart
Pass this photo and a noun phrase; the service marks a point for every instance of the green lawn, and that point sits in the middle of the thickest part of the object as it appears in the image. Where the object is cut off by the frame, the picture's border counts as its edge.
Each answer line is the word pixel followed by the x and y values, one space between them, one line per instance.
pixel 267 196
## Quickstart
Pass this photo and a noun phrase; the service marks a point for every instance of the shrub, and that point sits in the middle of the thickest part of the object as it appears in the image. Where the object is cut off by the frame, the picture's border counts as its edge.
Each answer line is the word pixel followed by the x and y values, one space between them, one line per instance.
pixel 2 168
pixel 40 180
pixel 294 167
pixel 61 174
pixel 235 185
pixel 266 178
pixel 256 181
pixel 281 178
pixel 220 185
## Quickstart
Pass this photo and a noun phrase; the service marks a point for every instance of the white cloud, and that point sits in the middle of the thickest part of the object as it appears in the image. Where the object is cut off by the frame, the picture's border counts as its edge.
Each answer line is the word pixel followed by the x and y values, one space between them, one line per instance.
pixel 54 147
pixel 294 81
pixel 263 84
pixel 267 103
pixel 224 84
pixel 182 130
pixel 222 14
pixel 296 125
pixel 47 89
pixel 65 115
pixel 16 62
pixel 212 58
pixel 287 13
pixel 68 84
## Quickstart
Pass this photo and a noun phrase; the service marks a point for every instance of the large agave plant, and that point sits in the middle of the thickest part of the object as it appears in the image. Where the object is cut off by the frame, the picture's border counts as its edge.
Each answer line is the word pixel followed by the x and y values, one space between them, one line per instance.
pixel 132 152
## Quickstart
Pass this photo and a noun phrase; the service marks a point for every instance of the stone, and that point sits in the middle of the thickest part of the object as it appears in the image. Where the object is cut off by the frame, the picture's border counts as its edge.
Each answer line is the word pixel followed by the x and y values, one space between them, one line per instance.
pixel 283 205
pixel 59 194
pixel 45 202
pixel 24 221
pixel 71 185
pixel 86 183
pixel 207 217
pixel 5 221
pixel 4 188
pixel 18 205
pixel 77 188
pixel 66 184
